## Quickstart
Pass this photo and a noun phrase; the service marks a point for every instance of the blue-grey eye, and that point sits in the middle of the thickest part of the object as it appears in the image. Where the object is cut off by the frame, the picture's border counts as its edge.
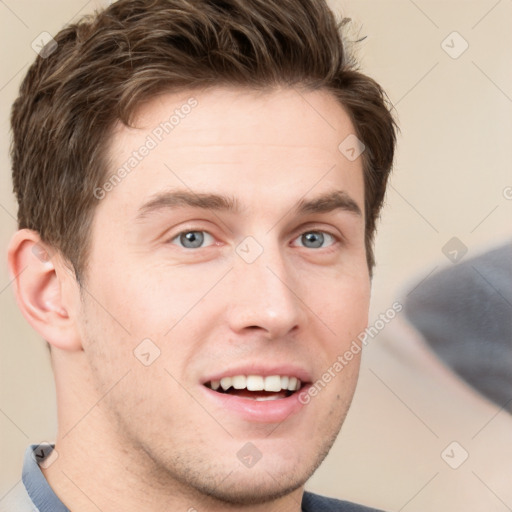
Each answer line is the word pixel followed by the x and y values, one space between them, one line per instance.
pixel 193 239
pixel 315 239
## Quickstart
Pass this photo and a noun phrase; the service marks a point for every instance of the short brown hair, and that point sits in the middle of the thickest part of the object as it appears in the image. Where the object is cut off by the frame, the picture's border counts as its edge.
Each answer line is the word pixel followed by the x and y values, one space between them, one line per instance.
pixel 103 67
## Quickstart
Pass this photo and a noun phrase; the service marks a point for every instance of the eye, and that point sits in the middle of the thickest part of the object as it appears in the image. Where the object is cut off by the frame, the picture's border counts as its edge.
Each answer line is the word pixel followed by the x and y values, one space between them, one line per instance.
pixel 193 239
pixel 316 239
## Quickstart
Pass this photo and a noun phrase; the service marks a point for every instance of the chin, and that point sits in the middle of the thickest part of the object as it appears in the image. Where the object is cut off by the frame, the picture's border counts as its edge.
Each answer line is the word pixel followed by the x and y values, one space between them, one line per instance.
pixel 252 486
pixel 269 479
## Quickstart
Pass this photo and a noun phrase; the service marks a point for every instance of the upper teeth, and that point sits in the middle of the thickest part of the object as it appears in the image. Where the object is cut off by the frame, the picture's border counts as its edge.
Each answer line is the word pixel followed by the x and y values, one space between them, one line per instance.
pixel 258 383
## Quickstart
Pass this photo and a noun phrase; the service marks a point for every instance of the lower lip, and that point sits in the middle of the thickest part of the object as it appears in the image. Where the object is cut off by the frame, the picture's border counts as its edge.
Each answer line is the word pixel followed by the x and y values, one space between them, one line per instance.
pixel 265 411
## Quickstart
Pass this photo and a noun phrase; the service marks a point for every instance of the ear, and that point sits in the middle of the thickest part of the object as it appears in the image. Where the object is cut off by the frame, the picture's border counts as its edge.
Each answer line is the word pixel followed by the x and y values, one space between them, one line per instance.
pixel 45 289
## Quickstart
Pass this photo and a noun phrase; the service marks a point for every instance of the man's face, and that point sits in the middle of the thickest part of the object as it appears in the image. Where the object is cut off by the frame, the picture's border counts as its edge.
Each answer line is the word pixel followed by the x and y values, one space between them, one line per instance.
pixel 267 281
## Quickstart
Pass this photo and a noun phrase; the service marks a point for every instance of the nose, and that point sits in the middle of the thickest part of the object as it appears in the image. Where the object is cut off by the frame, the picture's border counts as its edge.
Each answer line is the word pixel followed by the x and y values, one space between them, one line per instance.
pixel 265 296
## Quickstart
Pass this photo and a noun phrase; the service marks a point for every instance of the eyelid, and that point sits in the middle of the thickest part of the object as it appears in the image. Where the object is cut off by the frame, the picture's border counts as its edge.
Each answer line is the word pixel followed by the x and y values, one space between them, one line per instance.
pixel 318 228
pixel 186 226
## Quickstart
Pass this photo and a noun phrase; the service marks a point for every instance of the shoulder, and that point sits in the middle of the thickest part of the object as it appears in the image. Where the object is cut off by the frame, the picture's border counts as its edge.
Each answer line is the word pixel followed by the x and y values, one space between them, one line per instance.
pixel 316 503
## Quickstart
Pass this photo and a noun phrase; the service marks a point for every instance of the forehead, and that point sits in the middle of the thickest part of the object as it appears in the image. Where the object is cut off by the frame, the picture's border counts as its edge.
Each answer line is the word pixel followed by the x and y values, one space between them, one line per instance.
pixel 235 140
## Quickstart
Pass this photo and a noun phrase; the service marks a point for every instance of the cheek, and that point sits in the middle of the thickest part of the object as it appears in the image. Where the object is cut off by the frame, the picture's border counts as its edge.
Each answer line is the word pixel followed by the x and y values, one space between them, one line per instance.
pixel 342 302
pixel 168 306
pixel 137 300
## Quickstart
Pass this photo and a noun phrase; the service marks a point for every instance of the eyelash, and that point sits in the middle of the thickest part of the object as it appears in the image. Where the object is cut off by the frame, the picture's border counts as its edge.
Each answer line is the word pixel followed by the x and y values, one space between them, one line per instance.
pixel 336 238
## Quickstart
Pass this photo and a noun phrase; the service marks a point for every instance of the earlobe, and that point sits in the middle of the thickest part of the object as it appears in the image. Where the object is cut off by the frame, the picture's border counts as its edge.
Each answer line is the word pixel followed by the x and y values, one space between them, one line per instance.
pixel 38 281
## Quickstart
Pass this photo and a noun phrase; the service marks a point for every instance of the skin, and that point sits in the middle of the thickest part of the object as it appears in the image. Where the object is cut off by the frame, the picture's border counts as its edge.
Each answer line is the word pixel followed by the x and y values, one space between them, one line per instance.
pixel 134 437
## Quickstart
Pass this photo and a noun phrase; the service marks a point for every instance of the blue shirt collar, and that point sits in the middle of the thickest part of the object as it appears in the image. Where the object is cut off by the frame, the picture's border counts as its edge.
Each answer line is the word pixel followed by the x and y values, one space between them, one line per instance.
pixel 34 481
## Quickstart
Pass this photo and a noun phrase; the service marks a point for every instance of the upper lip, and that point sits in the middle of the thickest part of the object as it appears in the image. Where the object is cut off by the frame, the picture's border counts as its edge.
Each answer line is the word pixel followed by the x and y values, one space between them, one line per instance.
pixel 264 370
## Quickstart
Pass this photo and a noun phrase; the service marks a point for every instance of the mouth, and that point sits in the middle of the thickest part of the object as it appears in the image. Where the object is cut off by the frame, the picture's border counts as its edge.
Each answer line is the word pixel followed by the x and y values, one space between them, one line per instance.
pixel 257 387
pixel 257 393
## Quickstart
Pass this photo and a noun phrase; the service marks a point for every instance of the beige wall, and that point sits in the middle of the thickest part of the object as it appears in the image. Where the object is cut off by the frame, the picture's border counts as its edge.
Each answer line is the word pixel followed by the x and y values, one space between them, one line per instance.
pixel 452 168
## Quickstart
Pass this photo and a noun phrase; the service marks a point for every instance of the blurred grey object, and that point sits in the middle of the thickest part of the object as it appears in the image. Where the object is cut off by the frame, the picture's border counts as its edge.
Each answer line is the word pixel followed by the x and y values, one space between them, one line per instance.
pixel 464 313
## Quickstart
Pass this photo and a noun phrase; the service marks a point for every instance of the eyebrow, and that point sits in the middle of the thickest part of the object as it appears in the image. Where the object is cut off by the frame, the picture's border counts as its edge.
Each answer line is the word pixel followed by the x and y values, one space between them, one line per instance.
pixel 335 200
pixel 169 200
